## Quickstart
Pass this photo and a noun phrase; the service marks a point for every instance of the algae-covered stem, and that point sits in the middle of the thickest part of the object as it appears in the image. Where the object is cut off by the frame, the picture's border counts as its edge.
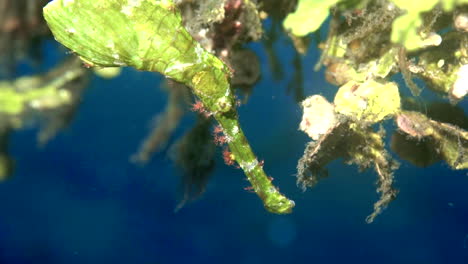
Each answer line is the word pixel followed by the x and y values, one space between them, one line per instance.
pixel 211 85
pixel 148 35
pixel 213 89
pixel 273 200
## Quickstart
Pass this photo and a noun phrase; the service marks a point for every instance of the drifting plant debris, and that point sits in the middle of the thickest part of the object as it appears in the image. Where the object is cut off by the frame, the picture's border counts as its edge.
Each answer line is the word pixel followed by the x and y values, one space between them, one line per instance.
pixel 194 153
pixel 165 122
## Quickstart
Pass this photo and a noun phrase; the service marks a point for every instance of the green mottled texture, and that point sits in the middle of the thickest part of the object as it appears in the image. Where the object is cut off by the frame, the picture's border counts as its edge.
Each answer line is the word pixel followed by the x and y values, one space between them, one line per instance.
pixel 405 28
pixel 148 35
pixel 368 101
pixel 144 34
pixel 261 183
pixel 308 17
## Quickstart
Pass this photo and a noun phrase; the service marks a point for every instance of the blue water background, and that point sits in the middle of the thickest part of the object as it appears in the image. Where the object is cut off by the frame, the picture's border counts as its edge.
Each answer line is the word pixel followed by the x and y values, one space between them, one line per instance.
pixel 79 199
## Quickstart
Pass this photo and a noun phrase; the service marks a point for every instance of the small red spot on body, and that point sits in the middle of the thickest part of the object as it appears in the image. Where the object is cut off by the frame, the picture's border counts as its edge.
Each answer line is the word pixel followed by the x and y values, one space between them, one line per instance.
pixel 198 107
pixel 217 129
pixel 227 157
pixel 220 139
pixel 249 189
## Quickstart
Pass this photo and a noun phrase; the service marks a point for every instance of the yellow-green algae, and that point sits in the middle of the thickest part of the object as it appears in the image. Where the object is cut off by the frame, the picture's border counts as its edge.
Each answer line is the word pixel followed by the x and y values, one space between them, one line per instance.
pixel 308 17
pixel 31 91
pixel 407 28
pixel 368 102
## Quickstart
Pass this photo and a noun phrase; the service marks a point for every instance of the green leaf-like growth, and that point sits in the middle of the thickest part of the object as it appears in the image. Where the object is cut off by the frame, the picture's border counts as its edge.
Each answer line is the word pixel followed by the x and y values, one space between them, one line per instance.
pixel 36 92
pixel 308 17
pixel 406 27
pixel 149 36
pixel 368 102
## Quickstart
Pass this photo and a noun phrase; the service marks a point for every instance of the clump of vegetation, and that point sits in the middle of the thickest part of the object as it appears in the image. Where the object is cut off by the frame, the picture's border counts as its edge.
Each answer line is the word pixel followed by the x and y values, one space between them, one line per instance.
pixel 368 43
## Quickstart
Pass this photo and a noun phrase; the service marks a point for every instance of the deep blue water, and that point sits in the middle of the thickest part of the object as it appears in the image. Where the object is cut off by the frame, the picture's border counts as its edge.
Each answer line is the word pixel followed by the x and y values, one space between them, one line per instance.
pixel 79 199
